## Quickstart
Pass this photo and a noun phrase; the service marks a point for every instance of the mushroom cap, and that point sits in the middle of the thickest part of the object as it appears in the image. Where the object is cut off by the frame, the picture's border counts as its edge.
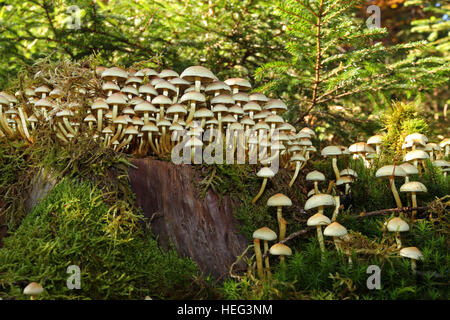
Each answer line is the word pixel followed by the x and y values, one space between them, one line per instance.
pixel 193 96
pixel 241 83
pixel 432 147
pixel 161 100
pixel 168 74
pixel 413 186
pixel 335 229
pixel 348 172
pixel 409 168
pixel 114 72
pixel 265 172
pixel 279 249
pixel 416 138
pixel 279 200
pixel 376 139
pixel 315 176
pixel 217 86
pixel 258 97
pixel 411 253
pixel 397 225
pixel 193 72
pixel 264 233
pixel 251 106
pixel 144 107
pixel 441 163
pixel 308 131
pixel 389 170
pixel 444 143
pixel 148 89
pixel 416 155
pixel 275 104
pixel 298 157
pixel 318 220
pixel 319 200
pixel 100 103
pixel 117 98
pixel 331 151
pixel 33 289
pixel 176 108
pixel 361 147
pixel 343 180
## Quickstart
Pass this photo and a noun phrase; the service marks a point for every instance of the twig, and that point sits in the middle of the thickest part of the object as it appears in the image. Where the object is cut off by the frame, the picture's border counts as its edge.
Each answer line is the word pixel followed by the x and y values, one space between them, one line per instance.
pixel 403 209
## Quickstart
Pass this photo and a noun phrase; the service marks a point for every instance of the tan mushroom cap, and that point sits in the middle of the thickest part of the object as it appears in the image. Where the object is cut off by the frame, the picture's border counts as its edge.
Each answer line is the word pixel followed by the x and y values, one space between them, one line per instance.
pixel 279 200
pixel 413 186
pixel 416 155
pixel 331 151
pixel 258 97
pixel 441 163
pixel 318 220
pixel 193 96
pixel 33 289
pixel 416 137
pixel 397 225
pixel 117 98
pixel 348 172
pixel 343 180
pixel 315 176
pixel 411 253
pixel 275 105
pixel 242 84
pixel 389 170
pixel 279 249
pixel 319 200
pixel 361 147
pixel 194 72
pixel 376 139
pixel 264 233
pixel 265 172
pixel 335 229
pixel 444 143
pixel 409 168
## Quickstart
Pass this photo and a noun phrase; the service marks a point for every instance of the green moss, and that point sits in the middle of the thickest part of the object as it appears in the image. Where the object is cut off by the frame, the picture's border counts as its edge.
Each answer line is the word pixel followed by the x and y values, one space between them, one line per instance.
pixel 401 120
pixel 73 226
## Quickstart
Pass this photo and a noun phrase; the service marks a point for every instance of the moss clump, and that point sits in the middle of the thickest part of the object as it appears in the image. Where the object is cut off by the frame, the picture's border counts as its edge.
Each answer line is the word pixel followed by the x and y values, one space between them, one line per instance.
pixel 73 226
pixel 401 120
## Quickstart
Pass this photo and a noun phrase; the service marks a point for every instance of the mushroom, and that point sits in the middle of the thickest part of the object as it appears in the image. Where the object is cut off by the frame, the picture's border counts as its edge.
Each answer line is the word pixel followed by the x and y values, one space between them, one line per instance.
pixel 298 159
pixel 415 156
pixel 335 230
pixel 413 187
pixel 100 106
pixel 192 98
pixel 265 234
pixel 198 75
pixel 264 172
pixel 282 250
pixel 334 152
pixel 376 140
pixel 33 289
pixel 445 144
pixel 320 201
pixel 409 170
pixel 397 225
pixel 279 200
pixel 316 177
pixel 392 171
pixel 413 254
pixel 318 220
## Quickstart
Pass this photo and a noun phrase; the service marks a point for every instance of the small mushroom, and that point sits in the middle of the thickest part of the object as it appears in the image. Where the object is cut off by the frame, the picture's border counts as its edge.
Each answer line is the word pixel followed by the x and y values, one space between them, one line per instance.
pixel 413 188
pixel 281 250
pixel 265 234
pixel 397 225
pixel 413 254
pixel 392 171
pixel 316 177
pixel 318 220
pixel 279 200
pixel 265 173
pixel 33 289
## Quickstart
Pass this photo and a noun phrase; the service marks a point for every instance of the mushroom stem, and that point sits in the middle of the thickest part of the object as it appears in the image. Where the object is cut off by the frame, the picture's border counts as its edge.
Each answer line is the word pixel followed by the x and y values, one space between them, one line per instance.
pixel 266 250
pixel 414 267
pixel 297 170
pixel 283 224
pixel 259 263
pixel 337 199
pixel 263 186
pixel 395 193
pixel 316 187
pixel 337 244
pixel 335 167
pixel 414 204
pixel 398 240
pixel 321 242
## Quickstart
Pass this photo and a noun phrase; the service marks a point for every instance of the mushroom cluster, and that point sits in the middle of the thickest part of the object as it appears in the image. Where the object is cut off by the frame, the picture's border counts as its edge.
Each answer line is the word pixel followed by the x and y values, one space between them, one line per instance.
pixel 145 112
